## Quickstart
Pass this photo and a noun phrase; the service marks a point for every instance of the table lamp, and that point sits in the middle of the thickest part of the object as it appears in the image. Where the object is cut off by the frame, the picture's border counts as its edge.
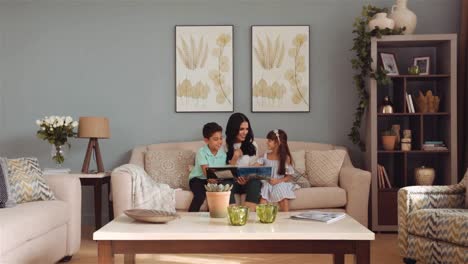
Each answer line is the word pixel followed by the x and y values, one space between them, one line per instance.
pixel 93 128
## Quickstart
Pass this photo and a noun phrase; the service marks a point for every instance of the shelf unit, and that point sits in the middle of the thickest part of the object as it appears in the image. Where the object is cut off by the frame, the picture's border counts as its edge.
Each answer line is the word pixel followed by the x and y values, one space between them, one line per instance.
pixel 400 165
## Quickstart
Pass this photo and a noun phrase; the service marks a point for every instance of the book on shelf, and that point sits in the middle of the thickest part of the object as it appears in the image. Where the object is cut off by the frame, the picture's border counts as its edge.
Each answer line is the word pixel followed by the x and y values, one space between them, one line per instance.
pixel 51 171
pixel 383 181
pixel 409 103
pixel 230 171
pixel 325 217
pixel 434 145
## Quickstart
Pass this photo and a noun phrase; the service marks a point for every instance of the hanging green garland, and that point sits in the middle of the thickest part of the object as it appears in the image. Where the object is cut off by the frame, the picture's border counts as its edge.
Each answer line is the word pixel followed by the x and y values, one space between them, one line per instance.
pixel 362 64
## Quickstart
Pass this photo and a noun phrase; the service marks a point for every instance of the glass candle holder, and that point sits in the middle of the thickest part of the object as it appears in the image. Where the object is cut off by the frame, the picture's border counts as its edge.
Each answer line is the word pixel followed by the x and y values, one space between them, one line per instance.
pixel 238 215
pixel 266 213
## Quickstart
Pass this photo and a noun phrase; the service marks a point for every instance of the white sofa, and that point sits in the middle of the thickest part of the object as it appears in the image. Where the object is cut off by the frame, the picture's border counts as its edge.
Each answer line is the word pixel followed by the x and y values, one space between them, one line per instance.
pixel 43 231
pixel 351 196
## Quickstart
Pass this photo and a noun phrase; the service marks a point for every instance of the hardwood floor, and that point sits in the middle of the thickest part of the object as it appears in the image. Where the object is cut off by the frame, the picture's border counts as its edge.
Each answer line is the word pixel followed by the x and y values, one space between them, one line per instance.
pixel 383 250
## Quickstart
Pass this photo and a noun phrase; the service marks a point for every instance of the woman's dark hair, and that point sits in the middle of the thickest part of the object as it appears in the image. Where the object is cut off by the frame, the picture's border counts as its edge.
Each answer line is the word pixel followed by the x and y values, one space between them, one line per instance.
pixel 232 130
pixel 281 138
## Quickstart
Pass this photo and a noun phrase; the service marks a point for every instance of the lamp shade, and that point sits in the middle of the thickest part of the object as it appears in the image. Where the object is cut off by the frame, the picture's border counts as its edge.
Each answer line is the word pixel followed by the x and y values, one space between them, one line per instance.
pixel 93 127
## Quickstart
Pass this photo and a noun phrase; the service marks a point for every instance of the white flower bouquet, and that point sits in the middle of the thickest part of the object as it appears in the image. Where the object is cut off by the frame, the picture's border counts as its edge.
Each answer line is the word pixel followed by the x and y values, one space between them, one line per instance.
pixel 56 130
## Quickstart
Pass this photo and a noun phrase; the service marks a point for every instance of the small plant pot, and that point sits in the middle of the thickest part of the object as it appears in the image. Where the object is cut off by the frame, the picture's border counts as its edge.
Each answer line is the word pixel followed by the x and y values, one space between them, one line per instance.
pixel 388 142
pixel 218 203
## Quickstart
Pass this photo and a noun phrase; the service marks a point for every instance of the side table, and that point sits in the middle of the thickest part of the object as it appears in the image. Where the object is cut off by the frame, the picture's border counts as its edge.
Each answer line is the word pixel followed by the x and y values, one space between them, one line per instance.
pixel 97 180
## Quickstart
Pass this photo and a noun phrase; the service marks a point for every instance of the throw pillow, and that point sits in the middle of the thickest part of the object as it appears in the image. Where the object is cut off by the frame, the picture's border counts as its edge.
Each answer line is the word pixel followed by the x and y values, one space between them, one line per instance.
pixel 26 181
pixel 298 158
pixel 5 189
pixel 300 179
pixel 323 167
pixel 170 166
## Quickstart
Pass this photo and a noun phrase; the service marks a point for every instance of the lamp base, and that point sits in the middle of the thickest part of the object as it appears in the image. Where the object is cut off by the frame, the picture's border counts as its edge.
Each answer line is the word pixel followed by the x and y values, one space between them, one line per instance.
pixel 93 145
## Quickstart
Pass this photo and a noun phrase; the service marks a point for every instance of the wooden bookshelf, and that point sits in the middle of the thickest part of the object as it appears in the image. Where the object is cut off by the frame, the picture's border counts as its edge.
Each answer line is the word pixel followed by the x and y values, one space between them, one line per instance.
pixel 439 126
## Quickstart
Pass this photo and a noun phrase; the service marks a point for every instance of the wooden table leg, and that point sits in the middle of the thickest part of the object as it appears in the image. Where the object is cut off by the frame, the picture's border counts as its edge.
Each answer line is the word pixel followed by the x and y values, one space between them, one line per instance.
pixel 97 203
pixel 362 252
pixel 338 258
pixel 111 209
pixel 129 259
pixel 105 254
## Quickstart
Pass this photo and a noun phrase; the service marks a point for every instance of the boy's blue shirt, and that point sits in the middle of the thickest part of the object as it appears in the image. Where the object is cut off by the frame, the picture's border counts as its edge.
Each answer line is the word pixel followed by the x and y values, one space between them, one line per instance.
pixel 205 157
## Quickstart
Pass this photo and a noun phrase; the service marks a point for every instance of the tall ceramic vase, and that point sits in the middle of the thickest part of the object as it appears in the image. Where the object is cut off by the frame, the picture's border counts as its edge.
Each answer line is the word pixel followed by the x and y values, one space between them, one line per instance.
pixel 403 17
pixel 218 203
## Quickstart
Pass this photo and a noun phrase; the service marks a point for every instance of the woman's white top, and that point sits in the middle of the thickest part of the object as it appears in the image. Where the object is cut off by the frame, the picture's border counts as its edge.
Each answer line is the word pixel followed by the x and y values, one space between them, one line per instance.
pixel 246 160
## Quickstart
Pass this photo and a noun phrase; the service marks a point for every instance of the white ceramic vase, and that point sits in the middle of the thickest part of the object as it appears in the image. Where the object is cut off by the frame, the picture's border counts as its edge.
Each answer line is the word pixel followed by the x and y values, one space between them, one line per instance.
pixel 403 17
pixel 382 21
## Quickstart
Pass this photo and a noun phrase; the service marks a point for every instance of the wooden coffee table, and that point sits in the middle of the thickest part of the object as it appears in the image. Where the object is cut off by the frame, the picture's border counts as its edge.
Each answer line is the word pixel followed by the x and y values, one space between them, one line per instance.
pixel 198 233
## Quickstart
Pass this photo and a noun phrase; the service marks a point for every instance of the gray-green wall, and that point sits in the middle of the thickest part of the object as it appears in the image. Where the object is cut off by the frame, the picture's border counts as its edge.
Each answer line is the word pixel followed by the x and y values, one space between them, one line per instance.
pixel 116 59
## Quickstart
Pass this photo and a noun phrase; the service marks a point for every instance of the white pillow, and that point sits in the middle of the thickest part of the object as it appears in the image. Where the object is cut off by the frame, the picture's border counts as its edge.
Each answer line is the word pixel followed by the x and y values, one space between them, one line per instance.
pixel 298 158
pixel 323 167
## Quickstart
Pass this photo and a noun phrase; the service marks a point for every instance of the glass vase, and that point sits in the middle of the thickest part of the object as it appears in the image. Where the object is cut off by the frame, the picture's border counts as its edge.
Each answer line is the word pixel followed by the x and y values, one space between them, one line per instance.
pixel 58 153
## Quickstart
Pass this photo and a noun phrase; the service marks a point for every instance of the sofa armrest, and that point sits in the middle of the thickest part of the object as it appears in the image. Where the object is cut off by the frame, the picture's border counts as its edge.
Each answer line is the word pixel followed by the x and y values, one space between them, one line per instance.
pixel 356 183
pixel 414 198
pixel 121 192
pixel 67 188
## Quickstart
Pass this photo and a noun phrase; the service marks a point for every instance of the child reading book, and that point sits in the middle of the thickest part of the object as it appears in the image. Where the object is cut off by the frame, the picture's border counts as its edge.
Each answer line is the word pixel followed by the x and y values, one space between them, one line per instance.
pixel 279 189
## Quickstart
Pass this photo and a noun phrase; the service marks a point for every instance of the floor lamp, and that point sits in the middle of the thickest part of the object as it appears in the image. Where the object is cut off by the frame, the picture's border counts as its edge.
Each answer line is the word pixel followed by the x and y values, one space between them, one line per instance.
pixel 93 128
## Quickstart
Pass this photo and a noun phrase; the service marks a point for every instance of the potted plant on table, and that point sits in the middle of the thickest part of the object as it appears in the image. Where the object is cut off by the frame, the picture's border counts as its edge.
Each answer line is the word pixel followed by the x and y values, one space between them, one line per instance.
pixel 217 196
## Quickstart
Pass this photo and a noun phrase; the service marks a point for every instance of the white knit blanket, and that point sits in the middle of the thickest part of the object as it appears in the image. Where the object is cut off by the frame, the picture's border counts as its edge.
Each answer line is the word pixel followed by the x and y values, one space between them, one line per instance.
pixel 146 192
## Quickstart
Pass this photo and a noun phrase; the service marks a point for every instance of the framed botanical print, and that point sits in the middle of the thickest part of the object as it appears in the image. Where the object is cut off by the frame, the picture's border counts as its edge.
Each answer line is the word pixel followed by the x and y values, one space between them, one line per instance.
pixel 204 68
pixel 280 68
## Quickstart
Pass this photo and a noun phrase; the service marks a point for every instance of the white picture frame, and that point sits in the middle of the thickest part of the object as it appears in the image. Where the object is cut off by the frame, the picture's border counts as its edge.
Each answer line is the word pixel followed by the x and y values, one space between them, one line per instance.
pixel 204 80
pixel 280 68
pixel 424 64
pixel 389 63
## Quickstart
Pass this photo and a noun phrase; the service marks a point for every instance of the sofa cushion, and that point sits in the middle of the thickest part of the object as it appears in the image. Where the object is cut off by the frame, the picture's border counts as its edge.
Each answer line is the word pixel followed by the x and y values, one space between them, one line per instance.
pixel 298 158
pixel 323 167
pixel 318 197
pixel 30 220
pixel 184 198
pixel 26 181
pixel 170 166
pixel 449 225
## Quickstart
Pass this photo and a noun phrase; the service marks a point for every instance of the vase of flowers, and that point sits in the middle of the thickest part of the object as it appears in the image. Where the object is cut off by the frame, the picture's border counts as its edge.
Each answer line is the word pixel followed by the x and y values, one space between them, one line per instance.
pixel 56 130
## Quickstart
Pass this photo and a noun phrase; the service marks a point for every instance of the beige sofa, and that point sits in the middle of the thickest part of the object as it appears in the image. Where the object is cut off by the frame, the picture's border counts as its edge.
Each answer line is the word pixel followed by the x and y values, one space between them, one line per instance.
pixel 351 196
pixel 43 231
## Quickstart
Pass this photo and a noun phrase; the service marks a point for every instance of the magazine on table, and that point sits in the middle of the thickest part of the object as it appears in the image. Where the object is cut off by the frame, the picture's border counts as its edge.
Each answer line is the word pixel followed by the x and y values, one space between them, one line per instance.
pixel 326 217
pixel 248 172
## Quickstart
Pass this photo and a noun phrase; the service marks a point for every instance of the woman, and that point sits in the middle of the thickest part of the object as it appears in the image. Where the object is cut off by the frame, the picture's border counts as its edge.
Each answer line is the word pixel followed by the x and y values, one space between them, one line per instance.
pixel 242 151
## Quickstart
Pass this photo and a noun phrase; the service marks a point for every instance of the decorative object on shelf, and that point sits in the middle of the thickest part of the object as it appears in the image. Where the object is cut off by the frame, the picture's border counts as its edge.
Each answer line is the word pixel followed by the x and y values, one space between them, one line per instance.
pixel 407 133
pixel 413 70
pixel 280 68
pixel 424 175
pixel 362 64
pixel 93 128
pixel 266 213
pixel 396 129
pixel 406 140
pixel 403 17
pixel 389 63
pixel 381 21
pixel 238 215
pixel 423 63
pixel 204 68
pixel 217 196
pixel 388 140
pixel 387 106
pixel 427 103
pixel 56 130
pixel 152 216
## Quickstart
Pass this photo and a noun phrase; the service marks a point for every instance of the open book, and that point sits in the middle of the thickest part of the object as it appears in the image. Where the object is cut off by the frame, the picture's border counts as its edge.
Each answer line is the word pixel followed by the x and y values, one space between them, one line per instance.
pixel 326 217
pixel 230 171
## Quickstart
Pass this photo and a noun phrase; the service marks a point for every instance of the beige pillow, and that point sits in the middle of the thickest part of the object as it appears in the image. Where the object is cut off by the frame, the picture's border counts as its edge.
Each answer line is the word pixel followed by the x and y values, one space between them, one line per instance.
pixel 323 167
pixel 298 158
pixel 170 166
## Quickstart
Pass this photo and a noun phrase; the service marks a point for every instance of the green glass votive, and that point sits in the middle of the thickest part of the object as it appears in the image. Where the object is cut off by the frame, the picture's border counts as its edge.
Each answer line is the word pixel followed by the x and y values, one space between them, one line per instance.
pixel 238 215
pixel 266 213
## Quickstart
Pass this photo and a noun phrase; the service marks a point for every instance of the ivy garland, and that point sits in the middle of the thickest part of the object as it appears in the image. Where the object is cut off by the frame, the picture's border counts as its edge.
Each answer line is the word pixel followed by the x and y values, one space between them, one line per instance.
pixel 362 64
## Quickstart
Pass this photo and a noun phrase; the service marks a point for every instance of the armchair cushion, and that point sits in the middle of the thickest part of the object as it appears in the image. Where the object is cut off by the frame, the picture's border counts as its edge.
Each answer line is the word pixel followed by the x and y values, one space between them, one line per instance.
pixel 449 225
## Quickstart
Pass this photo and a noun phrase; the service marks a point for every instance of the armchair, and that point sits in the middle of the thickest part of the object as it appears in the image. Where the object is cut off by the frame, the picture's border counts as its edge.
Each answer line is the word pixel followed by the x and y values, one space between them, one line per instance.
pixel 433 223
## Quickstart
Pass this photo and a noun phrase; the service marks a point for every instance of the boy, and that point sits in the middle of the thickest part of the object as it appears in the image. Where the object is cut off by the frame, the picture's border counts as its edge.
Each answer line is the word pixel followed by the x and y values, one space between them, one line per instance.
pixel 212 154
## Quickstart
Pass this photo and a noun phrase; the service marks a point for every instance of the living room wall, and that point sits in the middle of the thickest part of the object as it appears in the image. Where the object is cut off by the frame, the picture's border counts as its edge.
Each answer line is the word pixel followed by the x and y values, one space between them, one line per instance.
pixel 116 59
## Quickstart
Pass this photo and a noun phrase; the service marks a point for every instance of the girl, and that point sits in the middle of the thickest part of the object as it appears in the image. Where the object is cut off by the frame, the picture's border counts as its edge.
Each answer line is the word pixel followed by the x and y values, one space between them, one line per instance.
pixel 279 189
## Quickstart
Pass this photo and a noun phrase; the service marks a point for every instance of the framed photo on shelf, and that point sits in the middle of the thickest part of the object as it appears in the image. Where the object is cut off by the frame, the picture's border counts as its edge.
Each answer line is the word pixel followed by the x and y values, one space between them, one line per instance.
pixel 389 63
pixel 280 68
pixel 423 64
pixel 204 68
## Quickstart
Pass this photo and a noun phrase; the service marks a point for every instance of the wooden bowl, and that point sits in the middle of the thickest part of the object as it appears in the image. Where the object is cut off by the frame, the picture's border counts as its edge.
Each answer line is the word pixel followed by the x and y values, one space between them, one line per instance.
pixel 152 216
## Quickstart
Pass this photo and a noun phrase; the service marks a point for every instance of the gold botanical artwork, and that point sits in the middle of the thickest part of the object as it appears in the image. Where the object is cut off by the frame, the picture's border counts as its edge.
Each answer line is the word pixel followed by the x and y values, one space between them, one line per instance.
pixel 204 72
pixel 280 68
